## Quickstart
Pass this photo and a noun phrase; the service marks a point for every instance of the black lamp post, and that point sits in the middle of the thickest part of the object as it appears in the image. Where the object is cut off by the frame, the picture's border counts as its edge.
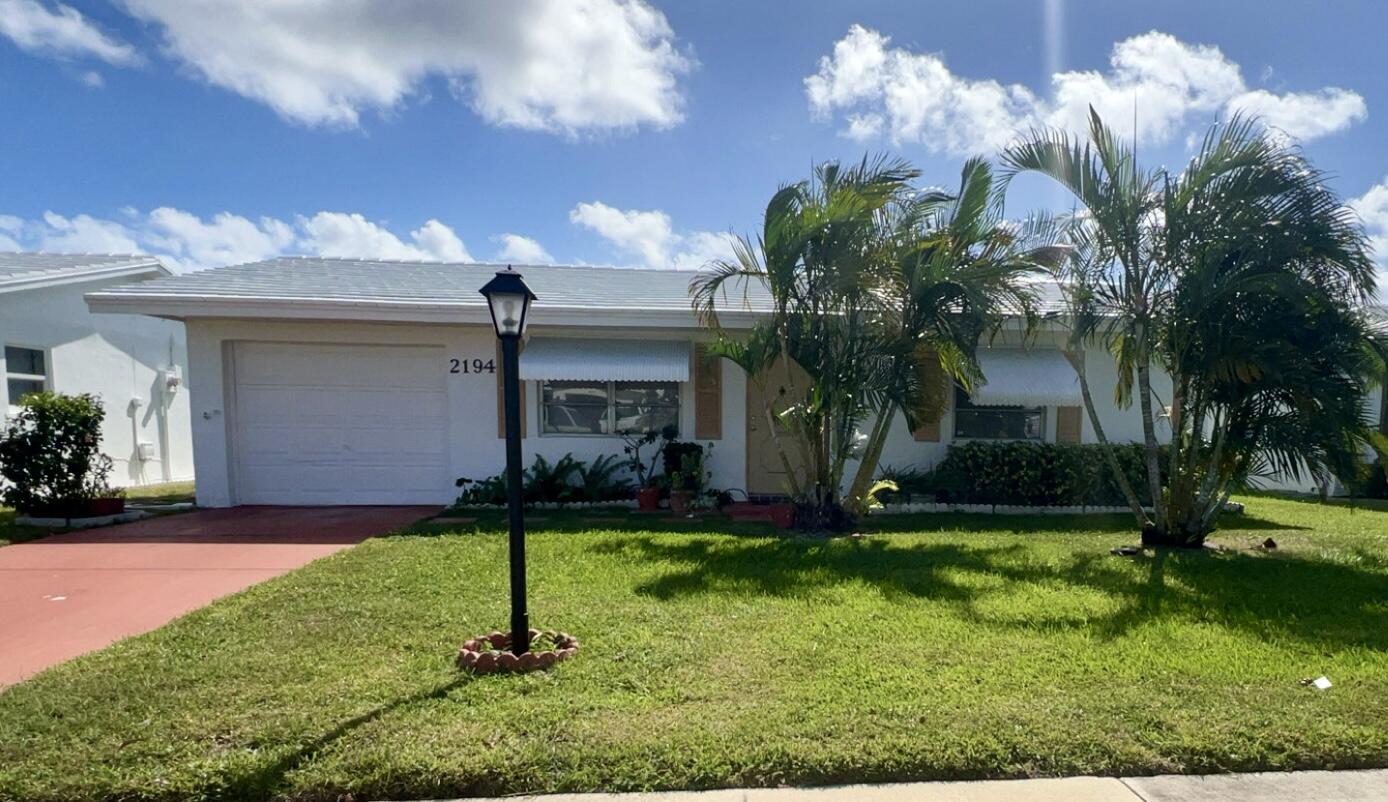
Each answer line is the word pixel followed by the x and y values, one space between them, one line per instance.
pixel 509 300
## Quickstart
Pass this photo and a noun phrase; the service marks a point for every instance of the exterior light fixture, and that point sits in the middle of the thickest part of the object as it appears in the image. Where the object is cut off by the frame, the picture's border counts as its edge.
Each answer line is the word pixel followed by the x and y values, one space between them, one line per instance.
pixel 509 300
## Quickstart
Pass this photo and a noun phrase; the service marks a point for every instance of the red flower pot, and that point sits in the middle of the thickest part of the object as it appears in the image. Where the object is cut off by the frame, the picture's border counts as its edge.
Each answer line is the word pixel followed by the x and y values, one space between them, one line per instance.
pixel 783 515
pixel 679 501
pixel 648 499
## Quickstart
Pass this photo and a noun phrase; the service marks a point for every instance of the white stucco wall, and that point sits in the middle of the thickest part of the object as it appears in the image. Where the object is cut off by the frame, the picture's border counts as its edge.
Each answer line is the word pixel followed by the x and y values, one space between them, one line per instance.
pixel 474 448
pixel 117 357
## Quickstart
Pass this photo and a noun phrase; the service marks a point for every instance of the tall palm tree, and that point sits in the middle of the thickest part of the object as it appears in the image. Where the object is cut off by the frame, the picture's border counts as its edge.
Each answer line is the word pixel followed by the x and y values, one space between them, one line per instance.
pixel 1243 278
pixel 819 258
pixel 955 268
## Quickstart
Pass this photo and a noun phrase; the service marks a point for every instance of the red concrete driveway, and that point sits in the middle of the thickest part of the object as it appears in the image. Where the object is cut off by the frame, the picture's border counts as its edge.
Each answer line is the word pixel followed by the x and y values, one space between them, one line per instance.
pixel 72 593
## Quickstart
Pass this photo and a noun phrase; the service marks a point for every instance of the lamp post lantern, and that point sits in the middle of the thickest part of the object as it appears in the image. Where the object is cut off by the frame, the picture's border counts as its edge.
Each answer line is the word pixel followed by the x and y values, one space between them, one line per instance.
pixel 509 300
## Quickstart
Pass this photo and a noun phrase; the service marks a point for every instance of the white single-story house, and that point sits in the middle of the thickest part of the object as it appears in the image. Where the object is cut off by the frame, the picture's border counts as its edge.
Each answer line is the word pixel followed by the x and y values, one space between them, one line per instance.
pixel 51 341
pixel 339 381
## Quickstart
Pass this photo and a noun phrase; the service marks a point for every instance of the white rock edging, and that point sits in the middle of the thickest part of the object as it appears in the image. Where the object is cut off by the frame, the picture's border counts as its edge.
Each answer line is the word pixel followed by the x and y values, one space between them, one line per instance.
pixel 1016 509
pixel 557 505
pixel 81 523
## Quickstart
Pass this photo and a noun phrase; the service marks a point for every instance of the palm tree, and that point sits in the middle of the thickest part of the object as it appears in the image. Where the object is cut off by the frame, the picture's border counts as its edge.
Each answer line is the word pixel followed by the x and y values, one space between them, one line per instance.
pixel 956 268
pixel 1244 279
pixel 819 258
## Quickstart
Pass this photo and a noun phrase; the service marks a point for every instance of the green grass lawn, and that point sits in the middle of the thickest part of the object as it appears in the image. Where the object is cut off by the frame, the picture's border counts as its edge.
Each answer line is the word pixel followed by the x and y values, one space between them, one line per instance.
pixel 955 647
pixel 169 493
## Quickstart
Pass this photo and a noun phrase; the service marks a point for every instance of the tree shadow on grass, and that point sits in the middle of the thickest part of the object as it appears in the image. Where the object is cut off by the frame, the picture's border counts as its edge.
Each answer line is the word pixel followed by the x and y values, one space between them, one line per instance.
pixel 1106 524
pixel 1313 600
pixel 794 567
pixel 265 781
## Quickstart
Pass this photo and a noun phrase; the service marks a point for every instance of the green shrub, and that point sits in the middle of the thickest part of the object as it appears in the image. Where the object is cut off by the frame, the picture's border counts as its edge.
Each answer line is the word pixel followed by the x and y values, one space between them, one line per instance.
pixel 1376 486
pixel 1025 473
pixel 565 480
pixel 50 458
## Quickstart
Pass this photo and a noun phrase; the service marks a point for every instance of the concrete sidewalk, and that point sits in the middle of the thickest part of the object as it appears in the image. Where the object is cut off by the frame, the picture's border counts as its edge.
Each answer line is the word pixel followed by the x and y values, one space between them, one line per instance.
pixel 1300 786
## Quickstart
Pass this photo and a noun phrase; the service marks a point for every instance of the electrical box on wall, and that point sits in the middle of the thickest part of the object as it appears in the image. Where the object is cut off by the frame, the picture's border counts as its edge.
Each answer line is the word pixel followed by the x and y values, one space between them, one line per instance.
pixel 172 378
pixel 145 450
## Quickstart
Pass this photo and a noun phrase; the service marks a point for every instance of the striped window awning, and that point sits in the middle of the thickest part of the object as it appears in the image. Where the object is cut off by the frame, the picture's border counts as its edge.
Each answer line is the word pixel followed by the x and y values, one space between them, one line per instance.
pixel 576 359
pixel 1018 377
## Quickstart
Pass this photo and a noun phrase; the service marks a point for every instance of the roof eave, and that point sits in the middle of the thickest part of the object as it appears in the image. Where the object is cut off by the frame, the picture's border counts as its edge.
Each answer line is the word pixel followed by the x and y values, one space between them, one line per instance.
pixel 180 307
pixel 83 276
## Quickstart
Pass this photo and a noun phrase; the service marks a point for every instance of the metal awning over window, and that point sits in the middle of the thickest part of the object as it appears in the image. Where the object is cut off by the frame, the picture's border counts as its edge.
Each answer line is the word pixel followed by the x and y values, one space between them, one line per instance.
pixel 1018 377
pixel 565 359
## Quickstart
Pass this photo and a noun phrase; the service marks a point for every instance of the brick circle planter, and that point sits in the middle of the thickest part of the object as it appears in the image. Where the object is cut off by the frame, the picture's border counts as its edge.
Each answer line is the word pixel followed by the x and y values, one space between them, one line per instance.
pixel 490 654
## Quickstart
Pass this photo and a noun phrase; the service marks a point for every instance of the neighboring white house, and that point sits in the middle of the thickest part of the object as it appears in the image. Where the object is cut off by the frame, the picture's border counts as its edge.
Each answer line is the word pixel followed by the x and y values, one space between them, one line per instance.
pixel 51 341
pixel 332 381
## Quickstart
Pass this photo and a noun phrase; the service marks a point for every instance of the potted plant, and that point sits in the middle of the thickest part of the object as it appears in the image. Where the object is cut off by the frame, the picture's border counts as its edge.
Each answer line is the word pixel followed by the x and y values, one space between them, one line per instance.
pixel 647 485
pixel 681 492
pixel 688 483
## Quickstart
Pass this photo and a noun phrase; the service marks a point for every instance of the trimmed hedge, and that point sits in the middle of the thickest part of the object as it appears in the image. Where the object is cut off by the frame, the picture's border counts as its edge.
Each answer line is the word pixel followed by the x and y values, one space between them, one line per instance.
pixel 1037 474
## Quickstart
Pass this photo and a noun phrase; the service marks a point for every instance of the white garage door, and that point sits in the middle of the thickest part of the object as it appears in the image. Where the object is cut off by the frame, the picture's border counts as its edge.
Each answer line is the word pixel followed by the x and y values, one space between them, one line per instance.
pixel 339 424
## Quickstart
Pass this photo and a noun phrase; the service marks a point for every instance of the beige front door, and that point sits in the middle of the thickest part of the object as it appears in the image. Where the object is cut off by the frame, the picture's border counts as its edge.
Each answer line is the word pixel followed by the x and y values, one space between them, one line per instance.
pixel 766 473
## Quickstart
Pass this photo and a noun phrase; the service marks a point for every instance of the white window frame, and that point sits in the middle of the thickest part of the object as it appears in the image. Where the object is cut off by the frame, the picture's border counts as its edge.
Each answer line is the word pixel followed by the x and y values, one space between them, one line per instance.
pixel 46 377
pixel 1044 411
pixel 611 408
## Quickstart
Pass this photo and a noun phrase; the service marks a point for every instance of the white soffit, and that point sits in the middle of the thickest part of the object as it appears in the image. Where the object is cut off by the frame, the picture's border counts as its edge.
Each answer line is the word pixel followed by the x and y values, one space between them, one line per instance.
pixel 1018 377
pixel 576 359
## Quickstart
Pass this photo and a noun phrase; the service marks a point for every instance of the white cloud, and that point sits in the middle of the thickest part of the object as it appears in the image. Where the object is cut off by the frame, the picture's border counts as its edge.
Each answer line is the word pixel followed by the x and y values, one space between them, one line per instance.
pixel 1372 207
pixel 1306 115
pixel 516 249
pixel 914 97
pixel 552 65
pixel 352 235
pixel 92 79
pixel 701 247
pixel 650 236
pixel 647 235
pixel 82 234
pixel 60 30
pixel 225 239
pixel 189 242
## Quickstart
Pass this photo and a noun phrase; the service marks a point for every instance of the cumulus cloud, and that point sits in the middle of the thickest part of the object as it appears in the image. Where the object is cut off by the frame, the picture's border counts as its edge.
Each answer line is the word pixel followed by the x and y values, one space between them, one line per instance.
pixel 915 98
pixel 650 237
pixel 81 234
pixel 516 249
pixel 223 239
pixel 60 30
pixel 551 65
pixel 189 242
pixel 1372 207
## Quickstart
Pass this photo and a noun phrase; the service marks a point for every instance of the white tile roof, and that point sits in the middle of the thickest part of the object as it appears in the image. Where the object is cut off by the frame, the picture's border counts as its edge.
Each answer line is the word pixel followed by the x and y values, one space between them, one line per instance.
pixel 437 283
pixel 18 270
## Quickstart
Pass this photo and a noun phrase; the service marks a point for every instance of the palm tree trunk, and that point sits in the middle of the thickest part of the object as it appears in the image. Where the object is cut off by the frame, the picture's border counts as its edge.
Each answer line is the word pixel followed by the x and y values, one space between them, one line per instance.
pixel 1149 433
pixel 1105 447
pixel 872 454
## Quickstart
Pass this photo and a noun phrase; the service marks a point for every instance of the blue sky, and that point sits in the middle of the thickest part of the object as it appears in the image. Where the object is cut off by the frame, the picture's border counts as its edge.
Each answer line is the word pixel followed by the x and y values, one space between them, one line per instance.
pixel 607 131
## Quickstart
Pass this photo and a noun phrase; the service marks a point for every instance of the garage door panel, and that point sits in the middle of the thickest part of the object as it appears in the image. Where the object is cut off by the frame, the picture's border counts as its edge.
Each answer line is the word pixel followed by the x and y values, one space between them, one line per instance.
pixel 340 424
pixel 421 446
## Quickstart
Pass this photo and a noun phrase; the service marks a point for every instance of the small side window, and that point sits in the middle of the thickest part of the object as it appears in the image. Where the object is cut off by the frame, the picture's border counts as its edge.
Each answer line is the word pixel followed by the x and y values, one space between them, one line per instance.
pixel 26 372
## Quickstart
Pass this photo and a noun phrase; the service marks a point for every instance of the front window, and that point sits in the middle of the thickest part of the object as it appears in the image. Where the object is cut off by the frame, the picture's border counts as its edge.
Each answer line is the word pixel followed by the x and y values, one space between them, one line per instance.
pixel 603 408
pixel 974 422
pixel 26 371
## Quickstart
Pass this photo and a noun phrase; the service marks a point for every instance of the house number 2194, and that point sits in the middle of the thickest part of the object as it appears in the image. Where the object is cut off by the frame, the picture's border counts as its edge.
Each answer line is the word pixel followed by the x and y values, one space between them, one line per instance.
pixel 471 366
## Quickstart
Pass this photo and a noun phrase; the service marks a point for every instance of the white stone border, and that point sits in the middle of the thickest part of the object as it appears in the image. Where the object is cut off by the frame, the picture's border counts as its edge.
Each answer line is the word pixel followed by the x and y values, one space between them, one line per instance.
pixel 81 523
pixel 1017 509
pixel 556 505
